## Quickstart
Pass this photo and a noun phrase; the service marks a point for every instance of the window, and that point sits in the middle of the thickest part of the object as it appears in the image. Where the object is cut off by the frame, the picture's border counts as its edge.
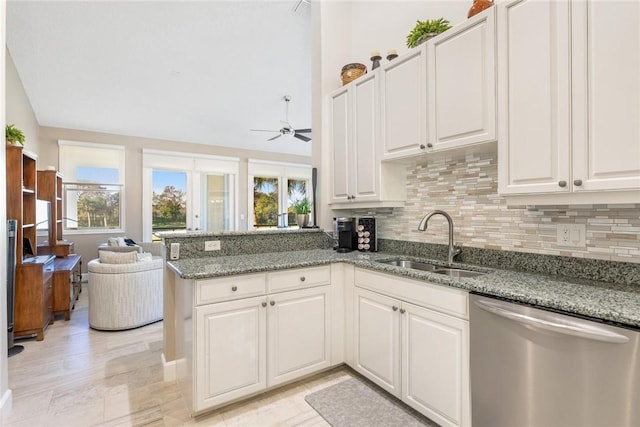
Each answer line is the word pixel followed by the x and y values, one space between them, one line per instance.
pixel 276 188
pixel 93 187
pixel 187 191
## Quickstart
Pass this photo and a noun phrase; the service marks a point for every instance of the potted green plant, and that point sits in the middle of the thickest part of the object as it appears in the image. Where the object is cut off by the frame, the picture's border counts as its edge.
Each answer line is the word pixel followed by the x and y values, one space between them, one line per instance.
pixel 13 135
pixel 424 30
pixel 302 208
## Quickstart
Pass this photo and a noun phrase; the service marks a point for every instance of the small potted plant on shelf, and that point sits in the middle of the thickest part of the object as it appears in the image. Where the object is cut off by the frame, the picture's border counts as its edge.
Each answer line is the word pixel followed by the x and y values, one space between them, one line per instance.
pixel 13 136
pixel 424 30
pixel 302 208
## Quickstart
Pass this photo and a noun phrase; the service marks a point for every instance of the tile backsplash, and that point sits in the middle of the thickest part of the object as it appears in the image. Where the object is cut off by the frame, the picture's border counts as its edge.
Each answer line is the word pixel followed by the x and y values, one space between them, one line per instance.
pixel 465 186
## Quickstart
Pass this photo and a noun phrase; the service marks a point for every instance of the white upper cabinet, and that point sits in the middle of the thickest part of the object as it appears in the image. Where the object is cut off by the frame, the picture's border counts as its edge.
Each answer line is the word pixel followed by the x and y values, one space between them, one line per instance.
pixel 568 101
pixel 358 175
pixel 340 144
pixel 606 95
pixel 461 87
pixel 403 90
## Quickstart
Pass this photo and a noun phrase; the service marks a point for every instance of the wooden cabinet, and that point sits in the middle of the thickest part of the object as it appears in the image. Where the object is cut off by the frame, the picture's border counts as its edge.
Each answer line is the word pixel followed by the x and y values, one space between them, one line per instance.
pixel 21 196
pixel 358 175
pixel 567 116
pixel 461 84
pixel 245 343
pixel 403 102
pixel 33 298
pixel 418 351
pixel 67 284
pixel 50 189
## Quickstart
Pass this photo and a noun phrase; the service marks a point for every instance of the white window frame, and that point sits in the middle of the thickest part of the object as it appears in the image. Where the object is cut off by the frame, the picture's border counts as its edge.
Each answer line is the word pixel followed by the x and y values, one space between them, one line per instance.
pixel 196 166
pixel 67 164
pixel 283 172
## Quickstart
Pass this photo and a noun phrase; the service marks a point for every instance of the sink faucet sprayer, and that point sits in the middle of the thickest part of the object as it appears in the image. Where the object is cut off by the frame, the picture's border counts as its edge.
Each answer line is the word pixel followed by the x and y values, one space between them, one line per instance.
pixel 453 251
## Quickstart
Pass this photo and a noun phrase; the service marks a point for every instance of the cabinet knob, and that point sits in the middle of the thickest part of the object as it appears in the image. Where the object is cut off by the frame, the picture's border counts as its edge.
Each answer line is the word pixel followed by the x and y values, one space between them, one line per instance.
pixel 577 182
pixel 429 145
pixel 234 288
pixel 395 308
pixel 348 197
pixel 353 197
pixel 422 147
pixel 402 310
pixel 264 304
pixel 562 183
pixel 302 278
pixel 272 302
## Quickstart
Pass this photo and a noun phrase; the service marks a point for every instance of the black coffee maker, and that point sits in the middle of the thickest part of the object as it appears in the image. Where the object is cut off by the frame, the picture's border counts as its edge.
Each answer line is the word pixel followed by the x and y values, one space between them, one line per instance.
pixel 347 236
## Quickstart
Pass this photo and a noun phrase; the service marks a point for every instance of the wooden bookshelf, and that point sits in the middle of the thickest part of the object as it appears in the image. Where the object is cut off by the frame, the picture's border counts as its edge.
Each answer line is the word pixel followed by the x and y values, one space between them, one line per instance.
pixel 50 189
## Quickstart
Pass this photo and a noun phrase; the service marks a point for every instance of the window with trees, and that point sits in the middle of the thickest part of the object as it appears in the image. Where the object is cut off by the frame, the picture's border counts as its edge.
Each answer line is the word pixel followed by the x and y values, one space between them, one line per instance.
pixel 93 186
pixel 277 187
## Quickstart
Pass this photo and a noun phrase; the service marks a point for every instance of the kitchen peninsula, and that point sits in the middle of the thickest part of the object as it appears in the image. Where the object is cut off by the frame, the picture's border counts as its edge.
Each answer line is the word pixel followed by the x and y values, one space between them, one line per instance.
pixel 308 289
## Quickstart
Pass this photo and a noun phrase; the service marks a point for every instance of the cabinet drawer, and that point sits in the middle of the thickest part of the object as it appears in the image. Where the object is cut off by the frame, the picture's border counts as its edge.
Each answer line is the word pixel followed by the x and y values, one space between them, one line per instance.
pixel 437 297
pixel 299 278
pixel 229 288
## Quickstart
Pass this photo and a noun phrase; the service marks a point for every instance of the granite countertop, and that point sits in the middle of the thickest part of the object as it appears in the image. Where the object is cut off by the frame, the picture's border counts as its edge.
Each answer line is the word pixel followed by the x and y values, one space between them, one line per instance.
pixel 606 301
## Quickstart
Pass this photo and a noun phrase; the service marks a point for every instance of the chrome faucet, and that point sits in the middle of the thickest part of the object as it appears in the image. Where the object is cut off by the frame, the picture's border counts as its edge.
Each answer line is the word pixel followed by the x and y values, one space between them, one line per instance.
pixel 453 251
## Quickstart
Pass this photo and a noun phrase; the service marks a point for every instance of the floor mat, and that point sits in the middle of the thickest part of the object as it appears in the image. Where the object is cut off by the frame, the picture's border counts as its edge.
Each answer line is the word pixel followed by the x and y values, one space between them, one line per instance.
pixel 357 402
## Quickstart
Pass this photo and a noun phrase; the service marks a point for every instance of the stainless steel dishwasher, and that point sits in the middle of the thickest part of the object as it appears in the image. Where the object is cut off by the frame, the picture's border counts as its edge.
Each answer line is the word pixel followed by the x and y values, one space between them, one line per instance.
pixel 535 367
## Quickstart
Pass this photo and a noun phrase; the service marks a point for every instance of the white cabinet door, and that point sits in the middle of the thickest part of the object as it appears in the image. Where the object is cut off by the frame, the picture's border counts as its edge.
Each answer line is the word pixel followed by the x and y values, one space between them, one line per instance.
pixel 533 96
pixel 299 333
pixel 606 95
pixel 403 102
pixel 365 115
pixel 377 339
pixel 435 365
pixel 340 139
pixel 462 84
pixel 231 351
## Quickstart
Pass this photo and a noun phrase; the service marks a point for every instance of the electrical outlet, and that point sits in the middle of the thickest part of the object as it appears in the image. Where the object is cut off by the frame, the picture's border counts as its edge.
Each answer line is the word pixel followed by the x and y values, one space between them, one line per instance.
pixel 174 251
pixel 572 235
pixel 212 245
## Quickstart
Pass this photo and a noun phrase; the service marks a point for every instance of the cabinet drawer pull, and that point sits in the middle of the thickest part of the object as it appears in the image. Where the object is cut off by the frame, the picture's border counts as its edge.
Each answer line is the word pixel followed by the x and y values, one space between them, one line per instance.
pixel 402 310
pixel 562 183
pixel 395 308
pixel 272 302
pixel 302 278
pixel 577 182
pixel 429 145
pixel 234 288
pixel 264 304
pixel 422 146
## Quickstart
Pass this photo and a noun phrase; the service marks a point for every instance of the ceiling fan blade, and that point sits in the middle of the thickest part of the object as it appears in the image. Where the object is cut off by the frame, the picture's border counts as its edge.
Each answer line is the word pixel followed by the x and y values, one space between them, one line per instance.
pixel 303 130
pixel 277 136
pixel 302 137
pixel 263 130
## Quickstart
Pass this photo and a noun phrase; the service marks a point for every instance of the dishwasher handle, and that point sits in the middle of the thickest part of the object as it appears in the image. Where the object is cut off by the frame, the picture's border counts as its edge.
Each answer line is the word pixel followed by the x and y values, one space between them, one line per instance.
pixel 553 322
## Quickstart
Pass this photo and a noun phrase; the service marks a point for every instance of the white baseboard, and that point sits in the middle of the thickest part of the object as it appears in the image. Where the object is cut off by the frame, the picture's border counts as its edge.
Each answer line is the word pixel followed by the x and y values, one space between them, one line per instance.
pixel 170 369
pixel 5 406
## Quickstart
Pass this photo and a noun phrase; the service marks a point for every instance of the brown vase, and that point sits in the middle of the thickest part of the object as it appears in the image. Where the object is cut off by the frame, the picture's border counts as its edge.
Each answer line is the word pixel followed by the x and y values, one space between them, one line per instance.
pixel 478 6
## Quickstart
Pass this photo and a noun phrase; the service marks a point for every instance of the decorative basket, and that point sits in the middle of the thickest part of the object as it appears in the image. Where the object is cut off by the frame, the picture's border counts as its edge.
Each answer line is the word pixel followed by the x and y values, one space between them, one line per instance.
pixel 352 71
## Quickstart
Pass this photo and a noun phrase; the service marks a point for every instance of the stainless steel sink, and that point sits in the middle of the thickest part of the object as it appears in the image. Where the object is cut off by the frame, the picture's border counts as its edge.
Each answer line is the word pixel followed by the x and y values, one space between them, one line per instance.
pixel 416 265
pixel 438 269
pixel 457 272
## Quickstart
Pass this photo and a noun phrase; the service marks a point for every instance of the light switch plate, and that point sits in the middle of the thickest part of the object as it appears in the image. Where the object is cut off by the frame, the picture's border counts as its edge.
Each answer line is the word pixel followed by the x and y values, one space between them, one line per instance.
pixel 572 235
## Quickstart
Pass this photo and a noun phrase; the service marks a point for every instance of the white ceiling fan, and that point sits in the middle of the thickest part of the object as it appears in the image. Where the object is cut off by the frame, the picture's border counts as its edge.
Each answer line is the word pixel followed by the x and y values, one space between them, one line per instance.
pixel 287 129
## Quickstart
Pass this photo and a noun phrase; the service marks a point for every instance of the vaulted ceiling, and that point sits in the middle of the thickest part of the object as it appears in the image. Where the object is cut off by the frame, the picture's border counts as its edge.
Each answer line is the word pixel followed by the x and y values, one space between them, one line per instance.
pixel 194 71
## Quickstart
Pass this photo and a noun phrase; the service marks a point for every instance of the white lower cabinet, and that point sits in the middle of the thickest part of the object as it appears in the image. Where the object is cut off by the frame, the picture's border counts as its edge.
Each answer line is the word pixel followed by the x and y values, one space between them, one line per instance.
pixel 246 345
pixel 418 354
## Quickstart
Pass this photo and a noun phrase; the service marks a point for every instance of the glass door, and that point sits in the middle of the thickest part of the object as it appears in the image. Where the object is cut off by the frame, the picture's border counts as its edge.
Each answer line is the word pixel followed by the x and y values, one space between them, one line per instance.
pixel 169 201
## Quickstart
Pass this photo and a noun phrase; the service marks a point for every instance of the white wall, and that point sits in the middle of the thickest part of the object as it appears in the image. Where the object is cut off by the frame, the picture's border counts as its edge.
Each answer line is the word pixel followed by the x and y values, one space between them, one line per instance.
pixel 5 393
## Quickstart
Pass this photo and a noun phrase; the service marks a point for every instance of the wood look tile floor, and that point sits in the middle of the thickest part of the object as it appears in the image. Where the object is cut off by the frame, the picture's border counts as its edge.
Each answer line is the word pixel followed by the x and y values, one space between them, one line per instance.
pixel 81 377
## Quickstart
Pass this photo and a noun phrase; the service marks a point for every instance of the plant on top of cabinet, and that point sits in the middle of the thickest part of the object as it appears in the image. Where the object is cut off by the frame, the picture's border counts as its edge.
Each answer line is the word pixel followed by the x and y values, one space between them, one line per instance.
pixel 13 135
pixel 424 30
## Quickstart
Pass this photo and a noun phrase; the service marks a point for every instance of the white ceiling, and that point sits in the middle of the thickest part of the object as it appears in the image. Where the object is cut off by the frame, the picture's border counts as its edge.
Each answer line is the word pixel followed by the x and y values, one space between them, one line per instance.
pixel 194 71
